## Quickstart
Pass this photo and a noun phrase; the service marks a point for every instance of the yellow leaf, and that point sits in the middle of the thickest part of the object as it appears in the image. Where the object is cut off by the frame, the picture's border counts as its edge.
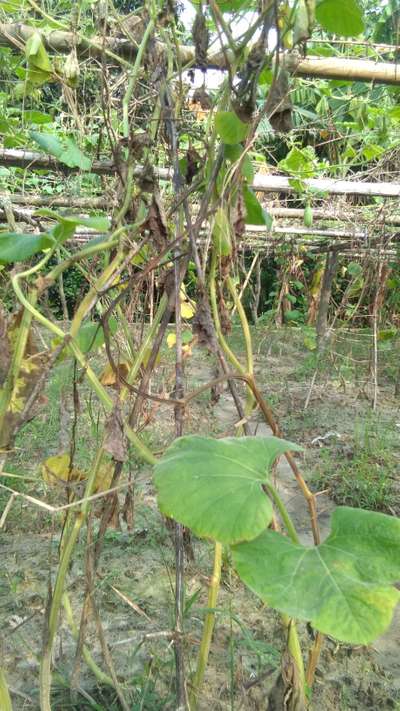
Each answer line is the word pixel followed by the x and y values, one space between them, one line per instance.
pixel 108 376
pixel 104 477
pixel 182 293
pixel 57 468
pixel 171 340
pixel 187 310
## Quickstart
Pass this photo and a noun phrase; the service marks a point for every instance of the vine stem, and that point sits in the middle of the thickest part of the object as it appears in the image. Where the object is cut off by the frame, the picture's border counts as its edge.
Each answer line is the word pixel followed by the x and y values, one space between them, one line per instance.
pixel 101 677
pixel 134 76
pixel 293 642
pixel 5 698
pixel 144 452
pixel 208 628
pixel 288 523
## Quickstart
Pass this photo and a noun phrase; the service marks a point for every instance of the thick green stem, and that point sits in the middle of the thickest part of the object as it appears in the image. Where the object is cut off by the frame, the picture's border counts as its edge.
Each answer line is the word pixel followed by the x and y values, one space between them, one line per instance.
pixel 101 677
pixel 45 665
pixel 104 280
pixel 134 77
pixel 293 645
pixel 293 637
pixel 147 340
pixel 250 399
pixel 244 323
pixel 288 523
pixel 208 627
pixel 5 698
pixel 99 389
pixel 67 547
pixel 214 307
pixel 82 254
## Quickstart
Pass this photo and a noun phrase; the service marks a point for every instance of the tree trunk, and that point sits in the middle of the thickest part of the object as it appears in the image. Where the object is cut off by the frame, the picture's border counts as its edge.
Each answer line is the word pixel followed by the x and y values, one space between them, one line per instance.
pixel 325 297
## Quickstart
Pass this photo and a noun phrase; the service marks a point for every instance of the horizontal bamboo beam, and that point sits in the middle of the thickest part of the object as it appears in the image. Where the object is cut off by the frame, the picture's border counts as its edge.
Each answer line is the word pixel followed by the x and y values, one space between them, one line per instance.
pixel 346 69
pixel 262 183
pixel 281 184
pixel 16 35
pixel 17 158
pixel 71 201
pixel 255 232
pixel 344 214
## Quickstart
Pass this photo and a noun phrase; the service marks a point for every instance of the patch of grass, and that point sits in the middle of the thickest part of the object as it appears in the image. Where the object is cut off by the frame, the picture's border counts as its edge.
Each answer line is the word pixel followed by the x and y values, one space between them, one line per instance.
pixel 363 473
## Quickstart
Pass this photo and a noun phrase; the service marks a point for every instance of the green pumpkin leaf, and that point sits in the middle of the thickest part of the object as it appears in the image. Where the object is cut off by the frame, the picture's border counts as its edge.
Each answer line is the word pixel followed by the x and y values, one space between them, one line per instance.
pixel 49 142
pixel 65 150
pixel 255 213
pixel 214 486
pixel 230 128
pixel 39 65
pixel 37 117
pixel 342 17
pixel 73 156
pixel 67 224
pixel 90 336
pixel 231 5
pixel 221 233
pixel 343 586
pixel 299 162
pixel 16 247
pixel 234 153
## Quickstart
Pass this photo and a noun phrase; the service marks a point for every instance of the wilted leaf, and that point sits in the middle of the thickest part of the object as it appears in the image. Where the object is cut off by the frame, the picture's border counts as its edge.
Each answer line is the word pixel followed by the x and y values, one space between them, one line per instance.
pixel 57 468
pixel 104 477
pixel 108 376
pixel 39 65
pixel 115 440
pixel 171 340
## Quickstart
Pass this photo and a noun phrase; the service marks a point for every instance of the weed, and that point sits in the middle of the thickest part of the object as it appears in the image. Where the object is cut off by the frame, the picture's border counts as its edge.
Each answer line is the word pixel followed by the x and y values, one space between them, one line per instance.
pixel 365 478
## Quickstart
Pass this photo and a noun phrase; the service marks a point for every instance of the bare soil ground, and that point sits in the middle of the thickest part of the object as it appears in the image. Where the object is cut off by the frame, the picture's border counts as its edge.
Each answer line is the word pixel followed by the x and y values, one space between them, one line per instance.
pixel 139 563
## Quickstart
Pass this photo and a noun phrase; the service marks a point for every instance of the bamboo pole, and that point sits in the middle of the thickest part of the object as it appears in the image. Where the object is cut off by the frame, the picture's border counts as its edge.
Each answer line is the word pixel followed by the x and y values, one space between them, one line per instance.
pixel 262 183
pixel 16 33
pixel 280 183
pixel 369 214
pixel 71 201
